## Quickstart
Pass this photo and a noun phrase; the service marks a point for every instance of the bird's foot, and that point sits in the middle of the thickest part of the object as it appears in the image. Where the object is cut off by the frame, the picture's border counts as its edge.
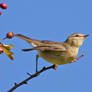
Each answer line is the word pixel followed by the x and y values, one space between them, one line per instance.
pixel 55 66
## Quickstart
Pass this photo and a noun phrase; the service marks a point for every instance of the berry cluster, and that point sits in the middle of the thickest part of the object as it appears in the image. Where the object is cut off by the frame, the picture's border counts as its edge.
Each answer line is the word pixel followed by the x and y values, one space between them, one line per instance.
pixel 3 6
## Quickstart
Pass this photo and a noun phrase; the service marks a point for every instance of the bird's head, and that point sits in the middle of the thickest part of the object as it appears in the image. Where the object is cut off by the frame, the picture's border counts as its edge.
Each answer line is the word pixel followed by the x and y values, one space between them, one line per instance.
pixel 76 39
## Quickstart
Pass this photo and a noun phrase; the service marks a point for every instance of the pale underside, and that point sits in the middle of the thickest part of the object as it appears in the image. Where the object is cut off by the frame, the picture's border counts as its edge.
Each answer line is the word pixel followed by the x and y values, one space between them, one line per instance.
pixel 57 54
pixel 56 57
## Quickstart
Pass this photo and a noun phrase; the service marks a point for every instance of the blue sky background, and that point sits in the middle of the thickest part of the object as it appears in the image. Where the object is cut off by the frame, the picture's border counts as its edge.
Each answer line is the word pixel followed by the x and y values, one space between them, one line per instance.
pixel 46 20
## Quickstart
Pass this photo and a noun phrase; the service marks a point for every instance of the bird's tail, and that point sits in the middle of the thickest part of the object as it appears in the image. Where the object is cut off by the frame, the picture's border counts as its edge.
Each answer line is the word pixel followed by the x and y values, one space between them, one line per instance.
pixel 29 40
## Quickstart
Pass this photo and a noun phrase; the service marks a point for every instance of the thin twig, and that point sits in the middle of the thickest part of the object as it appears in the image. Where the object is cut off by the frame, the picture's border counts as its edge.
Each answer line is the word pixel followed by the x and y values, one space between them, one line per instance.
pixel 30 77
pixel 79 57
pixel 36 74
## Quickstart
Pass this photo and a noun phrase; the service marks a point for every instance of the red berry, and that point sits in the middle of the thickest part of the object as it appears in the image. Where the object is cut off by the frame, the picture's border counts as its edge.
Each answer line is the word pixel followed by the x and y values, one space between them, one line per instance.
pixel 3 5
pixel 1 50
pixel 10 35
pixel 0 13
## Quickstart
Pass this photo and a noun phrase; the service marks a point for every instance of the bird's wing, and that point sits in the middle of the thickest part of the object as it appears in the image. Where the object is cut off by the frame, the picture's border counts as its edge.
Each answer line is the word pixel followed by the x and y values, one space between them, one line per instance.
pixel 42 45
pixel 35 42
pixel 47 48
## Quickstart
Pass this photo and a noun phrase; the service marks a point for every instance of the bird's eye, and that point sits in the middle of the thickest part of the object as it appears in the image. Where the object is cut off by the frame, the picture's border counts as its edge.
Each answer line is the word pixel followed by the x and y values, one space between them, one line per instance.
pixel 76 35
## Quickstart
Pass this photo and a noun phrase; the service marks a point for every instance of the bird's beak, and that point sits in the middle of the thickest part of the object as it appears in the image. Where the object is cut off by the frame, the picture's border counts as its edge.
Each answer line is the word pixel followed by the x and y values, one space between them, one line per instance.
pixel 85 36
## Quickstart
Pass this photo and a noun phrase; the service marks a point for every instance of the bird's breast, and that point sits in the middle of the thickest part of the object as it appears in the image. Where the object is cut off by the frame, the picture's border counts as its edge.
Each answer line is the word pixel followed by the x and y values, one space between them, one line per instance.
pixel 59 57
pixel 55 57
pixel 73 51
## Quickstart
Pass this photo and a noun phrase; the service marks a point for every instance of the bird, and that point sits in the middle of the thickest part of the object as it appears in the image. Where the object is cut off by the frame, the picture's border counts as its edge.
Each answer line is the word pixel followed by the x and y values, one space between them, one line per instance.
pixel 57 53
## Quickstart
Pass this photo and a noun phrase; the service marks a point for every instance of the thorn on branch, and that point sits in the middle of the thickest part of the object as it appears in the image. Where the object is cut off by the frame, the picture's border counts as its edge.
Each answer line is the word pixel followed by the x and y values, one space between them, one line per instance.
pixel 15 83
pixel 44 68
pixel 29 74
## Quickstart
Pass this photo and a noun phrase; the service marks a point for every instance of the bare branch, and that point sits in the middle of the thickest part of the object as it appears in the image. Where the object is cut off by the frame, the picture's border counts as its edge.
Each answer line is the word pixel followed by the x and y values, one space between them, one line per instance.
pixel 30 77
pixel 37 73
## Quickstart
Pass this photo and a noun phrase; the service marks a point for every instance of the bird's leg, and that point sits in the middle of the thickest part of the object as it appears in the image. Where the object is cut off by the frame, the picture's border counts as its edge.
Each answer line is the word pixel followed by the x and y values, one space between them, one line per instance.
pixel 79 57
pixel 37 56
